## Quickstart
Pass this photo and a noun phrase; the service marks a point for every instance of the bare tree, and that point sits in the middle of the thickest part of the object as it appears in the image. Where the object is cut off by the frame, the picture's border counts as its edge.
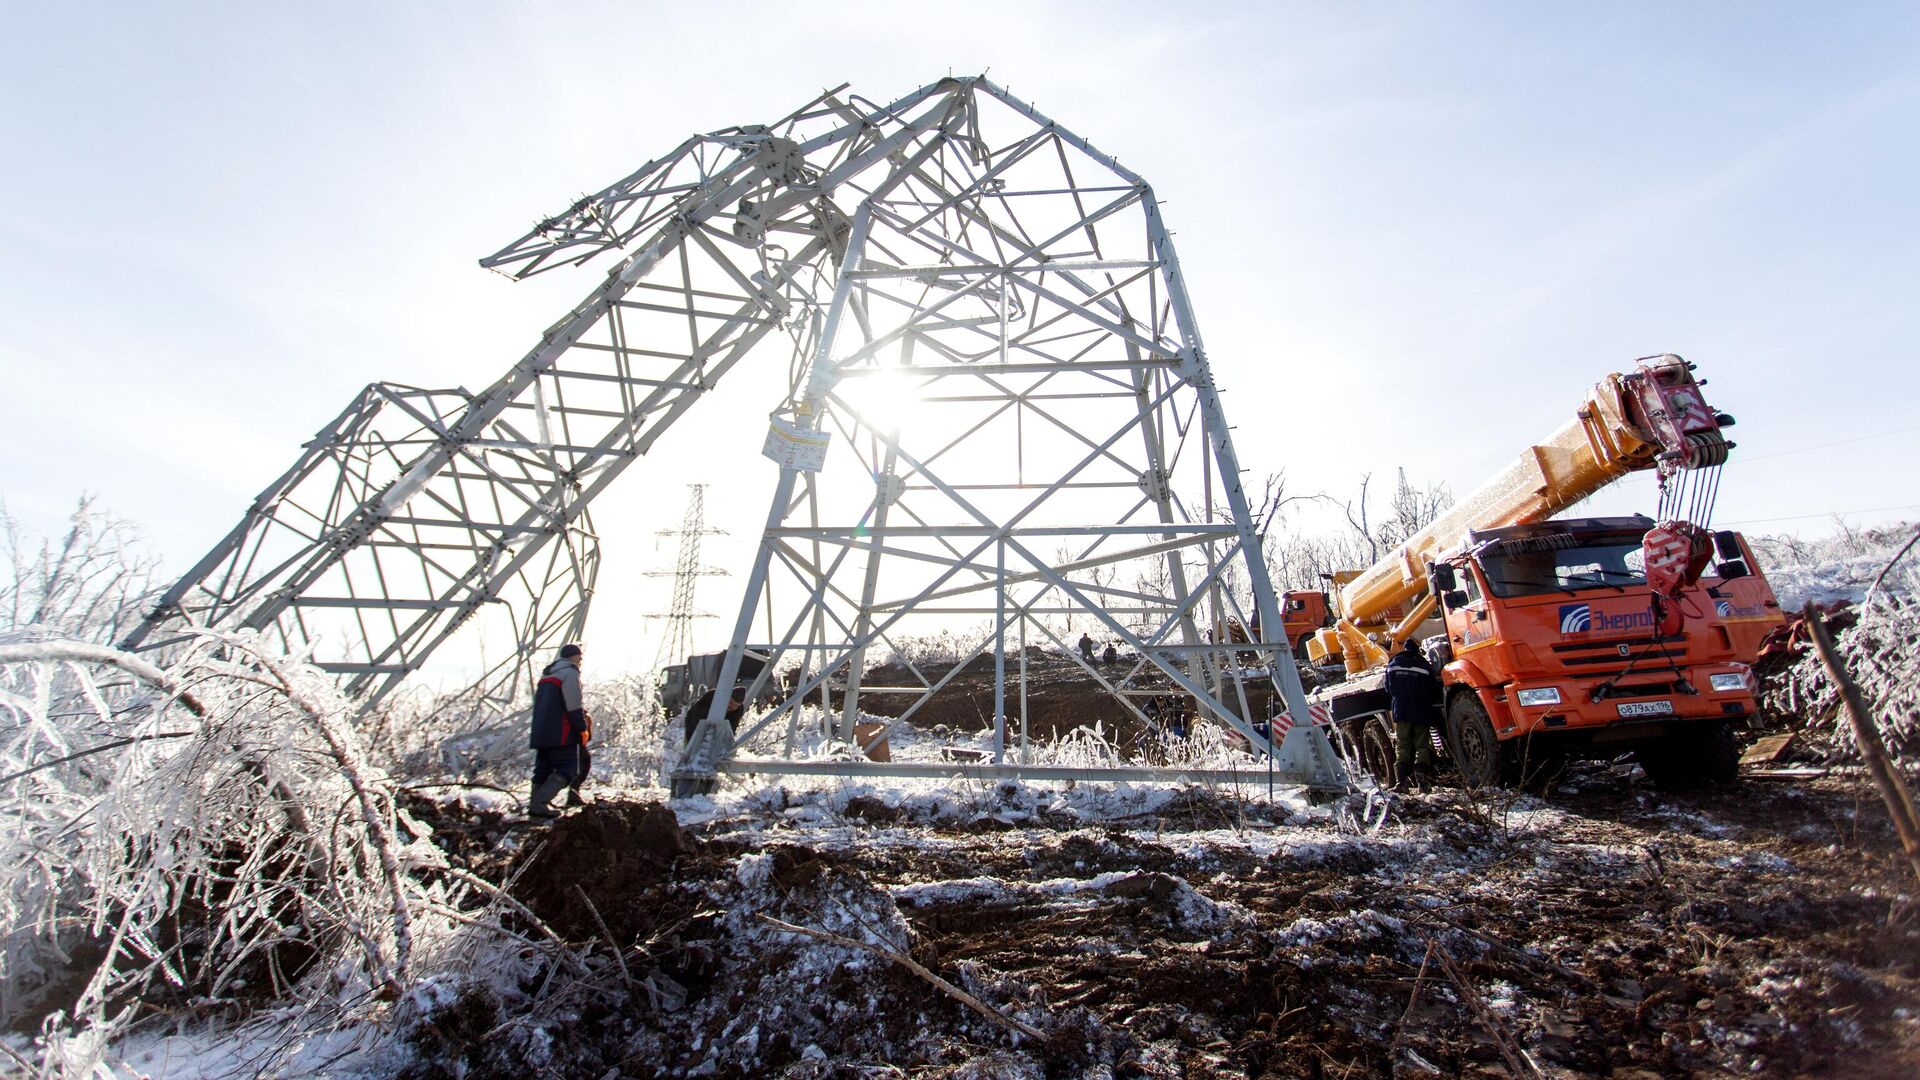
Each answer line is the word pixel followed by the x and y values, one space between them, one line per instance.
pixel 1307 560
pixel 93 585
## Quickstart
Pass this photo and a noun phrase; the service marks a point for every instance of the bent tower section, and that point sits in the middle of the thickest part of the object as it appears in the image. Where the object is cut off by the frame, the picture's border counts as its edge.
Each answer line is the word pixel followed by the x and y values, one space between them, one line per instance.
pixel 999 422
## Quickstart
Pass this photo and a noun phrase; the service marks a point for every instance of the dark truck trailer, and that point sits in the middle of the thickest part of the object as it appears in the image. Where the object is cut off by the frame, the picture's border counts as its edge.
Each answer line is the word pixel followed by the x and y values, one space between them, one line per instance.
pixel 682 684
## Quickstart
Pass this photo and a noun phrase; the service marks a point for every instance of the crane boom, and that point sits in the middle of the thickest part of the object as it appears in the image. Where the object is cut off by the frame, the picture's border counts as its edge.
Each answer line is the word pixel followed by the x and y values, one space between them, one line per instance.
pixel 1650 418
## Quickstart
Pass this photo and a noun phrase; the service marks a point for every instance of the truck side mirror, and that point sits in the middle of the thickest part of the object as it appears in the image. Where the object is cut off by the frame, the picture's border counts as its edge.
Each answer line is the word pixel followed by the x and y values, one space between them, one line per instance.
pixel 1443 578
pixel 1732 570
pixel 1727 544
pixel 1455 599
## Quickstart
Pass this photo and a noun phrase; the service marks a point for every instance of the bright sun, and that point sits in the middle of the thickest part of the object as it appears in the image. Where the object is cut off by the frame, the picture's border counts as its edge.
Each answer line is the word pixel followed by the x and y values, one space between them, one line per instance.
pixel 883 400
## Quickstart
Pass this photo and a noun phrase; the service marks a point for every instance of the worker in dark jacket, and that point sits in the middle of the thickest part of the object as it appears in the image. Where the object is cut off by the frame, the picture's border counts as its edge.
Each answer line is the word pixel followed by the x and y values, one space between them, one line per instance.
pixel 736 708
pixel 561 729
pixel 1416 709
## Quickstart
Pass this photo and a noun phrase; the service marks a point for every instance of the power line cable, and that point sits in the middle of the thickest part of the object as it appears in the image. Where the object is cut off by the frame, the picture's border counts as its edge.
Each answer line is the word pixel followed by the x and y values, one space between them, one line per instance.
pixel 1739 459
pixel 1824 445
pixel 1829 513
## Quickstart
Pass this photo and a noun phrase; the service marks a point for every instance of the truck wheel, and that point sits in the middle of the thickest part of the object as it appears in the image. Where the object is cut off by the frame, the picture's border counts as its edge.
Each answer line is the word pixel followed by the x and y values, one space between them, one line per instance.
pixel 1367 746
pixel 1476 751
pixel 1376 751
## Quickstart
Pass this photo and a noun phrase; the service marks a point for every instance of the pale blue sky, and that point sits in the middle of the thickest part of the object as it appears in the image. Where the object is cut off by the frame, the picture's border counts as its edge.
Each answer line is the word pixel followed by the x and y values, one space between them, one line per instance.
pixel 1413 233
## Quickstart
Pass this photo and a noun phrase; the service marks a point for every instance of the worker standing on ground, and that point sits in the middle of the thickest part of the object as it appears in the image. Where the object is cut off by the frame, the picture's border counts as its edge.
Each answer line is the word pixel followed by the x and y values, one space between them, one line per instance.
pixel 1086 648
pixel 560 731
pixel 1416 709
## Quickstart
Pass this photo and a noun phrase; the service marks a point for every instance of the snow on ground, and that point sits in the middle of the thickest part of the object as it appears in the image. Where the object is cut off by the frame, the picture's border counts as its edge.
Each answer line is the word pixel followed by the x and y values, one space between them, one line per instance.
pixel 1153 932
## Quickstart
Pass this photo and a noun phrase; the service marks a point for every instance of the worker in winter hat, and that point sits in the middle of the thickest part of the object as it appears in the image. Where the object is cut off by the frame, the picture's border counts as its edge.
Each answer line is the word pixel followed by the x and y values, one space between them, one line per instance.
pixel 736 708
pixel 561 729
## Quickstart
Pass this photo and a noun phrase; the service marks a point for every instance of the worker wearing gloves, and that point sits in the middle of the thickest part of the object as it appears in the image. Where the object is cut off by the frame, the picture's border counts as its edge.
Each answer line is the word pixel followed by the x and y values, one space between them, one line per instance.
pixel 1416 709
pixel 561 729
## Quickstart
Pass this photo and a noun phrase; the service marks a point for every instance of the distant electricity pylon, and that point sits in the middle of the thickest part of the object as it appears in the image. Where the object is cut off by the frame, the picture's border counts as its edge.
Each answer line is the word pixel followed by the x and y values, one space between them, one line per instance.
pixel 687 572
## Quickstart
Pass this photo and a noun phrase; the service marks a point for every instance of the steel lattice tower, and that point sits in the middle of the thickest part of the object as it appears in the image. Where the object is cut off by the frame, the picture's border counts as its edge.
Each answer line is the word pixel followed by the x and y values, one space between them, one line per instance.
pixel 999 410
pixel 687 573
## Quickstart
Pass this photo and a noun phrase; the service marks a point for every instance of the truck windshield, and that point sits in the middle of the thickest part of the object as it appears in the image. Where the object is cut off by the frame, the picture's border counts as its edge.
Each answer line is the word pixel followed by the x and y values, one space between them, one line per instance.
pixel 1564 570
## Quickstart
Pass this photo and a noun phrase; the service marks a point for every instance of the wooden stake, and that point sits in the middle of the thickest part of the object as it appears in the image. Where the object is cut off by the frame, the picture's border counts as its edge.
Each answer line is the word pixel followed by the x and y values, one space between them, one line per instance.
pixel 1518 1063
pixel 1400 1029
pixel 1893 789
pixel 606 934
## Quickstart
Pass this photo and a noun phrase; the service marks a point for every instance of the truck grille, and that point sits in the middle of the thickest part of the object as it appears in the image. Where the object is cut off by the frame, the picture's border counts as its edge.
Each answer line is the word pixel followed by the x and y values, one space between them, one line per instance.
pixel 1640 650
pixel 1616 659
pixel 1608 645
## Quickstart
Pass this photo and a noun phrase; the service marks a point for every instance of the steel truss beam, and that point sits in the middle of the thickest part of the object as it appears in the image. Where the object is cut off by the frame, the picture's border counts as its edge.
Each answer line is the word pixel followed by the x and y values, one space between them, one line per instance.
pixel 1023 425
pixel 417 513
pixel 982 313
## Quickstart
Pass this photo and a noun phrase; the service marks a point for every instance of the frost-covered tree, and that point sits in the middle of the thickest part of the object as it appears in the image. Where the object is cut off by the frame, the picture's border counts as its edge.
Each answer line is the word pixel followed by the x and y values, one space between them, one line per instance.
pixel 189 830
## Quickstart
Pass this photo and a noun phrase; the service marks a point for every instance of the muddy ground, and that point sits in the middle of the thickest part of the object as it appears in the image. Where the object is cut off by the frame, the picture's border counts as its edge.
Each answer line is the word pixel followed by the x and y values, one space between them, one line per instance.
pixel 1604 930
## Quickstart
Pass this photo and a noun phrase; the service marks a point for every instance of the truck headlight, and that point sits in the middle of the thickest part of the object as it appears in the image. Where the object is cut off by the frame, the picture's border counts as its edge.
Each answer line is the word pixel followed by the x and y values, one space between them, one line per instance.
pixel 1544 696
pixel 1733 680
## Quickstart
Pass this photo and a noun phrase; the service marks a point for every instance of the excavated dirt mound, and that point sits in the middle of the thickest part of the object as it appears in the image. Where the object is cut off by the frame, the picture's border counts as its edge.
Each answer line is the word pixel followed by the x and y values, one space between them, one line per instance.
pixel 621 855
pixel 1607 931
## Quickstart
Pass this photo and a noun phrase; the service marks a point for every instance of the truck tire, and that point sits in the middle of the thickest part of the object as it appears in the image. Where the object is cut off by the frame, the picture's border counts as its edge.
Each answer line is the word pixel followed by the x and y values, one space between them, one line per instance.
pixel 1376 750
pixel 1475 749
pixel 1366 744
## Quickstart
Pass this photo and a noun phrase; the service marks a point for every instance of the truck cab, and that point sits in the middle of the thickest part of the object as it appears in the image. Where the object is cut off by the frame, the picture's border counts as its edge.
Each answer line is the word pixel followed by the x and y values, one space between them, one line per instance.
pixel 1749 613
pixel 1553 648
pixel 1302 611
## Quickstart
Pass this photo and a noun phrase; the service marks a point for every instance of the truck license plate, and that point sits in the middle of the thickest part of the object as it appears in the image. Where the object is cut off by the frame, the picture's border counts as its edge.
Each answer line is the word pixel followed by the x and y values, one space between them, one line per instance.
pixel 1645 708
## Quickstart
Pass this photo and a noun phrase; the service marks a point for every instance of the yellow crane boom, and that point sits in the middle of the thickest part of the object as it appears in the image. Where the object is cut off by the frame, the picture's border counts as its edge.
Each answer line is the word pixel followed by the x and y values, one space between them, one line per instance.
pixel 1650 418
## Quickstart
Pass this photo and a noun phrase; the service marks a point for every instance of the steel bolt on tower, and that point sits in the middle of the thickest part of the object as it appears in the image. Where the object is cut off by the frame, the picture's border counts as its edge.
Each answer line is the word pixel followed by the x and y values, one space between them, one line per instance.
pixel 999 414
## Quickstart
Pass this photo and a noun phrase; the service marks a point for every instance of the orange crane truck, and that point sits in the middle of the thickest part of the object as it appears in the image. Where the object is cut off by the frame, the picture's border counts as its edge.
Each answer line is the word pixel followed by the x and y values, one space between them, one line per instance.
pixel 1562 636
pixel 1738 588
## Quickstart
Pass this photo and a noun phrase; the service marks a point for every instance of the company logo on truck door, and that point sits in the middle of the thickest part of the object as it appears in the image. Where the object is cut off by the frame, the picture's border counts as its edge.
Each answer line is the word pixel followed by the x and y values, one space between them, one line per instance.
pixel 1581 619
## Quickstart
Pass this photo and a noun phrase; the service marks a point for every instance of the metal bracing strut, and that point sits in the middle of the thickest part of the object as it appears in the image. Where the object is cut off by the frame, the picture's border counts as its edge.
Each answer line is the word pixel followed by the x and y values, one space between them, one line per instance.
pixel 993 357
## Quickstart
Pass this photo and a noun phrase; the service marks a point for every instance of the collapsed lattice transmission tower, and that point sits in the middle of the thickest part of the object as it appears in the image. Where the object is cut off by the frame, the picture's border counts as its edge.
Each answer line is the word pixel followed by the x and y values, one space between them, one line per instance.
pixel 677 641
pixel 998 414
